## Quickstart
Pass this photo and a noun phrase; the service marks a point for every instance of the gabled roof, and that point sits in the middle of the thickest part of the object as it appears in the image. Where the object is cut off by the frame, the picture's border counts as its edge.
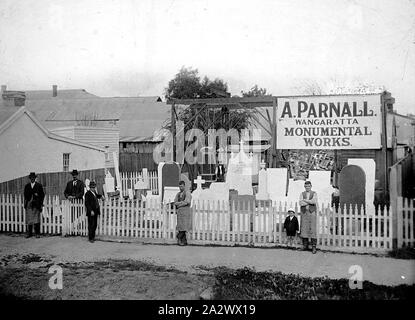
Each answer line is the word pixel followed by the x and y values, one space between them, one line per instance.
pixel 136 116
pixel 62 94
pixel 10 115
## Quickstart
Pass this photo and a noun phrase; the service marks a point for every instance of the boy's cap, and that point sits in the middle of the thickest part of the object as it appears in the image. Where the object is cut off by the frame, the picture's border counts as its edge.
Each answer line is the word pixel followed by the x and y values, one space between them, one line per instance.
pixel 291 209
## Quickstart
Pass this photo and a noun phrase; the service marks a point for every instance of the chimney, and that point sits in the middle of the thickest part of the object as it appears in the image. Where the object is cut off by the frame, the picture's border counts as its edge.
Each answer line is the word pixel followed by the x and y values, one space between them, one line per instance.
pixel 3 88
pixel 54 90
pixel 13 98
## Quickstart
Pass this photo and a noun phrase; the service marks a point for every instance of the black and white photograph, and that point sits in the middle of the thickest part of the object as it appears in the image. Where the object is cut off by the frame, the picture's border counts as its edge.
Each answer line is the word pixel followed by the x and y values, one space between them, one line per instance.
pixel 212 152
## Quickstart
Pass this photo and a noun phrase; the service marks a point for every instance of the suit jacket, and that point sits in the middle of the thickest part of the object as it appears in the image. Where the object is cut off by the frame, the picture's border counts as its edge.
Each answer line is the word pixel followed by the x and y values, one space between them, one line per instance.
pixel 92 203
pixel 75 191
pixel 291 226
pixel 37 195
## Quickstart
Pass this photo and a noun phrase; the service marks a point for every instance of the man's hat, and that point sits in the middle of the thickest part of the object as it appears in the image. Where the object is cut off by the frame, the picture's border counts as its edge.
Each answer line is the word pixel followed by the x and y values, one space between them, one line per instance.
pixel 32 175
pixel 291 209
pixel 74 172
pixel 92 184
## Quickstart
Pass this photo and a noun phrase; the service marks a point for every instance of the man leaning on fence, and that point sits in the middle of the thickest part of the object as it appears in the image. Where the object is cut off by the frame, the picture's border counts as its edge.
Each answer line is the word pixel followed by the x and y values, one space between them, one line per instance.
pixel 93 209
pixel 308 205
pixel 75 188
pixel 33 203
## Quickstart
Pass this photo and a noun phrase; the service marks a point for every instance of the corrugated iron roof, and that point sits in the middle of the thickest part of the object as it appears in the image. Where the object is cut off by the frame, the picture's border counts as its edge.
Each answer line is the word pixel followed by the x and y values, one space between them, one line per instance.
pixel 135 116
pixel 62 94
pixel 6 113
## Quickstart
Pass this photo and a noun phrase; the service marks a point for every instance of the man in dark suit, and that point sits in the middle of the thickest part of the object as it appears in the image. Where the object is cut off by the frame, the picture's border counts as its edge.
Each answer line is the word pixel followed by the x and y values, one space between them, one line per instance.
pixel 33 203
pixel 74 189
pixel 92 209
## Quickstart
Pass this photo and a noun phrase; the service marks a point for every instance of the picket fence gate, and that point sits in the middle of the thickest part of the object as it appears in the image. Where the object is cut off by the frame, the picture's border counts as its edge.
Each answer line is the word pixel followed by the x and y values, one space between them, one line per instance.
pixel 254 223
pixel 129 179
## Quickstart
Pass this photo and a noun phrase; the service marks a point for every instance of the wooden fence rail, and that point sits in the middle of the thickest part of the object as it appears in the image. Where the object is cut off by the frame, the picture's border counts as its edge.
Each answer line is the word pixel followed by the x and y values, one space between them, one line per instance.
pixel 256 223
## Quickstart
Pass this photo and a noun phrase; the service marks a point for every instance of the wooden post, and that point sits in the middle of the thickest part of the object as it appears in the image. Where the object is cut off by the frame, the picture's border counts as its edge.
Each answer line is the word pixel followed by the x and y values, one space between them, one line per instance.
pixel 173 131
pixel 273 160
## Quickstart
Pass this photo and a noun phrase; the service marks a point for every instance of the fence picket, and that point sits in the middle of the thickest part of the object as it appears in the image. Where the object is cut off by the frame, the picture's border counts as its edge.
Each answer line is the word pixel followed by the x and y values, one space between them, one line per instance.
pixel 246 222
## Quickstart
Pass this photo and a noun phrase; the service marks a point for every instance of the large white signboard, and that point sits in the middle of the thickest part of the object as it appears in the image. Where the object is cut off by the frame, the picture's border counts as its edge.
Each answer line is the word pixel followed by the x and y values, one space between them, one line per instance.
pixel 329 122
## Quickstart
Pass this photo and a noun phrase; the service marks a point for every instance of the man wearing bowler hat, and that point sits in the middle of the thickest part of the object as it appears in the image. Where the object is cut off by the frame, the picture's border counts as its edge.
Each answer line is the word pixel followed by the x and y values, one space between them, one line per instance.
pixel 75 188
pixel 33 203
pixel 92 209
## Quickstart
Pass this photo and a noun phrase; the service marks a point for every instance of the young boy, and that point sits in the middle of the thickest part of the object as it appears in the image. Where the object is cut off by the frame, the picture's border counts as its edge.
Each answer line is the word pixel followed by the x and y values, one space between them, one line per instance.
pixel 291 226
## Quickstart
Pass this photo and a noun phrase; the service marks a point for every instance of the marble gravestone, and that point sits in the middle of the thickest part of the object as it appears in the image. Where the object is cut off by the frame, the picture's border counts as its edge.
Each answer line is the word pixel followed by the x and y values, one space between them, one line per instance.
pixel 262 193
pixel 320 181
pixel 168 176
pixel 109 182
pixel 369 167
pixel 170 193
pixel 239 173
pixel 277 183
pixel 295 187
pixel 352 185
pixel 146 178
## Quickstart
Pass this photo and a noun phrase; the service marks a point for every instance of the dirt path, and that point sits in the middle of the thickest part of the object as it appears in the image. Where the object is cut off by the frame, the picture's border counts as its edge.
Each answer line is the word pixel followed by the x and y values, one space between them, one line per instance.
pixel 378 270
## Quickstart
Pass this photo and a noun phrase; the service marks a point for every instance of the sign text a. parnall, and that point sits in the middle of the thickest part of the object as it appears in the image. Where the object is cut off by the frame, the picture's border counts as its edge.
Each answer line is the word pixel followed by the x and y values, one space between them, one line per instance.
pixel 335 109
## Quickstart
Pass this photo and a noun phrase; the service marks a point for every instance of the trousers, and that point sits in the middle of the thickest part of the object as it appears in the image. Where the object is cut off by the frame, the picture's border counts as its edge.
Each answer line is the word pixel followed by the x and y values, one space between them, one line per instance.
pixel 92 226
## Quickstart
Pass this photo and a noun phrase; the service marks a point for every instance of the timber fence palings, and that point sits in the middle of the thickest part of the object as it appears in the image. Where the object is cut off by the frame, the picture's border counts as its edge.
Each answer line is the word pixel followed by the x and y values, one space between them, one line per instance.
pixel 255 223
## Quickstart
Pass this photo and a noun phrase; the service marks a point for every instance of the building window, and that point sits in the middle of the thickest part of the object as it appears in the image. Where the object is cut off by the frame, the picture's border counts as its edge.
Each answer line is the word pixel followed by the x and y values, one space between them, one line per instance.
pixel 66 162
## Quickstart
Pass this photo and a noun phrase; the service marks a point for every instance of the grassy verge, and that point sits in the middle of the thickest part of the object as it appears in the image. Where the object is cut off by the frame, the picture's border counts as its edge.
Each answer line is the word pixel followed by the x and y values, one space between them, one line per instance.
pixel 402 253
pixel 248 284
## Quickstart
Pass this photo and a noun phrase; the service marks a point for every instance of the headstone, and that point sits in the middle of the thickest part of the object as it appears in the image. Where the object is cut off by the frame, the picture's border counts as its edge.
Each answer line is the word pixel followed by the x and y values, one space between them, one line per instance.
pixel 146 178
pixel 130 194
pixel 168 176
pixel 239 173
pixel 199 181
pixel 320 181
pixel 352 185
pixel 109 182
pixel 170 193
pixel 150 196
pixel 369 167
pixel 262 193
pixel 140 184
pixel 117 171
pixel 220 190
pixel 295 188
pixel 277 183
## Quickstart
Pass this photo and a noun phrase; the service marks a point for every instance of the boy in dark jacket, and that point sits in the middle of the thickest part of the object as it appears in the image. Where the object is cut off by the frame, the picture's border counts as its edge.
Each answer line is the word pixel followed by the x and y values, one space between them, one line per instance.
pixel 291 226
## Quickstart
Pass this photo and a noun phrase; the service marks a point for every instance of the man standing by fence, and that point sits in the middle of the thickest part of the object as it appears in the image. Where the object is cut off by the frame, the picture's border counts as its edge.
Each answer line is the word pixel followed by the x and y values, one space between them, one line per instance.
pixel 93 209
pixel 75 188
pixel 308 205
pixel 33 203
pixel 184 213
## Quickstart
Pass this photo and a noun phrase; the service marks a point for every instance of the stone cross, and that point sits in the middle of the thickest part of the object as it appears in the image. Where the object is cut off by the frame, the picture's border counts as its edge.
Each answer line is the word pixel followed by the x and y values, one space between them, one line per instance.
pixel 199 182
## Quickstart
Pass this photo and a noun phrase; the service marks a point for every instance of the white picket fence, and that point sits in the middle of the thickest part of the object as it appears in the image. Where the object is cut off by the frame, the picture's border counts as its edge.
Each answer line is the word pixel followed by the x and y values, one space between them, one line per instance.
pixel 406 222
pixel 12 215
pixel 129 179
pixel 256 223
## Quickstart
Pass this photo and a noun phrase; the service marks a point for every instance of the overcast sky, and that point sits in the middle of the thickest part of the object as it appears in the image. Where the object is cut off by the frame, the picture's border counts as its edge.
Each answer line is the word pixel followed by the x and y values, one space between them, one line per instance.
pixel 123 48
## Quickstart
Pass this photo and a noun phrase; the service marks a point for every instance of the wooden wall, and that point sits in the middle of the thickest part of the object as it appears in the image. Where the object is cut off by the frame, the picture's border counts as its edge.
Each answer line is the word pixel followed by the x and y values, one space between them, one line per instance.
pixel 53 183
pixel 132 162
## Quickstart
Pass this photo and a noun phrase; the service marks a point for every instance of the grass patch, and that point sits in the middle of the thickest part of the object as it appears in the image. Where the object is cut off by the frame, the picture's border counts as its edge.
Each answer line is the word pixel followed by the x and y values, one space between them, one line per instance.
pixel 246 284
pixel 402 253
